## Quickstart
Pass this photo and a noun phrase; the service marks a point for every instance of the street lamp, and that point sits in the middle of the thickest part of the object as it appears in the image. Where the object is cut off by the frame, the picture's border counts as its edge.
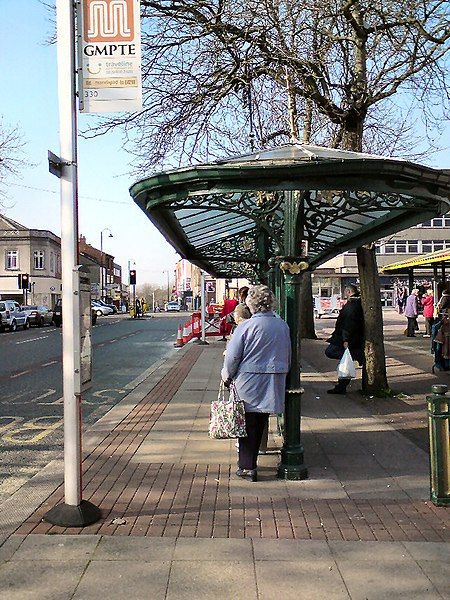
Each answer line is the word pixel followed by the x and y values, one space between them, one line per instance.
pixel 168 292
pixel 102 274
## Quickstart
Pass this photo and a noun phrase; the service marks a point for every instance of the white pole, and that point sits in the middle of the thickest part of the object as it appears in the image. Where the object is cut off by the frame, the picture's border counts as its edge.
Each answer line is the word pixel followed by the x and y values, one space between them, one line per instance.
pixel 69 247
pixel 203 302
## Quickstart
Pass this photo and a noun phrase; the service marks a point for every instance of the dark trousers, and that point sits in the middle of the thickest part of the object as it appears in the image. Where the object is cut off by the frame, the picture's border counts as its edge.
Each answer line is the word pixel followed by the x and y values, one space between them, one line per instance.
pixel 411 326
pixel 249 446
pixel 429 321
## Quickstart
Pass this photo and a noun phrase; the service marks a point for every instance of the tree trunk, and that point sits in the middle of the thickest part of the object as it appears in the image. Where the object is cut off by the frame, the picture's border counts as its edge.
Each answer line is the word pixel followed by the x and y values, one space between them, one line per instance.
pixel 374 380
pixel 306 304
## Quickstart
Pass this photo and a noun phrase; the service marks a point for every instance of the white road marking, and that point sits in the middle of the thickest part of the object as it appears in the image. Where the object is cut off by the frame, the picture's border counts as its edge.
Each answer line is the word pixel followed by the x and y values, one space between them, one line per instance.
pixel 52 362
pixel 19 374
pixel 42 337
pixel 46 394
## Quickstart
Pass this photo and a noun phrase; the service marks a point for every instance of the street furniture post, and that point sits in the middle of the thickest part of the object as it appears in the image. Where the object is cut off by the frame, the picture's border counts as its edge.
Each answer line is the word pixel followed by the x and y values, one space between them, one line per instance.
pixel 202 341
pixel 438 427
pixel 292 465
pixel 74 511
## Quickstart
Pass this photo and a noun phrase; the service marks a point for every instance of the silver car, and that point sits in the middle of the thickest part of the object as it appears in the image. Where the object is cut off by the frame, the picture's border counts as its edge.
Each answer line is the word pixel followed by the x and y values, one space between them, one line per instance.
pixel 100 309
pixel 12 316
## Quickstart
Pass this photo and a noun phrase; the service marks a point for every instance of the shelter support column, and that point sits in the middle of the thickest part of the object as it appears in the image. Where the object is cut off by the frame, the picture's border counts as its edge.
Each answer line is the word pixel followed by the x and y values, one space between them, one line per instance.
pixel 292 464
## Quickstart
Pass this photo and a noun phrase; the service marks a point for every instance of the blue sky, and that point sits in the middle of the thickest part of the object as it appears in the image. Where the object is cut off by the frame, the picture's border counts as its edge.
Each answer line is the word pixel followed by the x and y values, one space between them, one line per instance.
pixel 28 98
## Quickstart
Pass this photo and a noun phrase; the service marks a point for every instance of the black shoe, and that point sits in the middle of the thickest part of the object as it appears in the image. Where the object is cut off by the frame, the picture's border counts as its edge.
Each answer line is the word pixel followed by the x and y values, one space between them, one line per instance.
pixel 251 474
pixel 336 390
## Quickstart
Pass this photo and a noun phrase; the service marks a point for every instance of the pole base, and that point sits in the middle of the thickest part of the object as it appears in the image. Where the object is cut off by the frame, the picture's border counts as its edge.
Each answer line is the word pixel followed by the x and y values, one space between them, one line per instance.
pixel 200 342
pixel 291 472
pixel 440 501
pixel 291 466
pixel 66 515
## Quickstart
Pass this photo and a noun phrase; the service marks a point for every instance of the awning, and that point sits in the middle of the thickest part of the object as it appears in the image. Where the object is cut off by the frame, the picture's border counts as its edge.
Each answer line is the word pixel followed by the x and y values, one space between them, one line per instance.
pixel 229 217
pixel 440 257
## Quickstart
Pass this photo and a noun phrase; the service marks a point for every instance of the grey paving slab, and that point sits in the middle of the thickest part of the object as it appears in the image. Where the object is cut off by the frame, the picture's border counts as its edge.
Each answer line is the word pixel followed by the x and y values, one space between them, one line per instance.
pixel 9 547
pixel 438 572
pixel 438 551
pixel 57 548
pixel 299 580
pixel 291 550
pixel 39 580
pixel 123 548
pixel 206 580
pixel 378 570
pixel 213 549
pixel 115 580
pixel 369 551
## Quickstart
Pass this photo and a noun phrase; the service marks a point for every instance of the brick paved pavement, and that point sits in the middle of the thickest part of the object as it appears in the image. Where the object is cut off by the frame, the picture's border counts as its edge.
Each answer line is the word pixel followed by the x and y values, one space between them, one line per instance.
pixel 159 473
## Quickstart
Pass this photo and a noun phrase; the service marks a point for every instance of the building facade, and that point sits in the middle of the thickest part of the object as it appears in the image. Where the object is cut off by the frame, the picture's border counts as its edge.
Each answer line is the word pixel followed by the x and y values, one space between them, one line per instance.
pixel 34 252
pixel 332 276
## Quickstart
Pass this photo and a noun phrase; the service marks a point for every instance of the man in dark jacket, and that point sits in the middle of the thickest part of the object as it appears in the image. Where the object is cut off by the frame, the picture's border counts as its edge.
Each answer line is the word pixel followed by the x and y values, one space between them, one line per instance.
pixel 348 333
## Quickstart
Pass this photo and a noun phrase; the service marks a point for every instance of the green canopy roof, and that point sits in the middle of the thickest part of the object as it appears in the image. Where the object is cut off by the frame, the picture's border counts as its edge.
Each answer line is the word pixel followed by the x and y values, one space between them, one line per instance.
pixel 228 216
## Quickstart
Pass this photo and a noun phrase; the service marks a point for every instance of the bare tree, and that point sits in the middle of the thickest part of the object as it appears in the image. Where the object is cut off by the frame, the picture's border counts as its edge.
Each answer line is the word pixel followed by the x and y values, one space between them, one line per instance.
pixel 215 72
pixel 12 156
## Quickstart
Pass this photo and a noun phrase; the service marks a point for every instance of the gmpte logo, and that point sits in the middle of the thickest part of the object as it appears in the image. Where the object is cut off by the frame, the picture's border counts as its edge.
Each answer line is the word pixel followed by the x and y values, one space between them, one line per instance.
pixel 108 20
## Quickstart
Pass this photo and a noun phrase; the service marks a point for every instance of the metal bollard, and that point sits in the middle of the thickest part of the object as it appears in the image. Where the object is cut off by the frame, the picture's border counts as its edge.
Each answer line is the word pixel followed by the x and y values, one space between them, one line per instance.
pixel 438 427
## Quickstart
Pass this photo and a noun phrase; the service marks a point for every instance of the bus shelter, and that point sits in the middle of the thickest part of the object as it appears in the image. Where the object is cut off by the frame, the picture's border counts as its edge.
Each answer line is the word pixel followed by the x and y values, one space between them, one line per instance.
pixel 271 215
pixel 436 262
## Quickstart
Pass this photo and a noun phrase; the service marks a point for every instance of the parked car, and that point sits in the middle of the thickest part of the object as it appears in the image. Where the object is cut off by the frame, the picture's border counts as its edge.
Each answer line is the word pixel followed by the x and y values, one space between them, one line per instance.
pixel 112 306
pixel 57 314
pixel 38 315
pixel 172 306
pixel 100 309
pixel 12 316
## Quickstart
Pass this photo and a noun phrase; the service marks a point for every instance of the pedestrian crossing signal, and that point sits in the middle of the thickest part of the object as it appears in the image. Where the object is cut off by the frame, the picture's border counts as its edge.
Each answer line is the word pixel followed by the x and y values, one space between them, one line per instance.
pixel 23 280
pixel 133 277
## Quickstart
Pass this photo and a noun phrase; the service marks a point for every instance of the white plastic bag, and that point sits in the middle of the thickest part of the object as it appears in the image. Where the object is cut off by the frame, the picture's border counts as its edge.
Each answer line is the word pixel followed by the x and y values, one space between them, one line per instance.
pixel 346 368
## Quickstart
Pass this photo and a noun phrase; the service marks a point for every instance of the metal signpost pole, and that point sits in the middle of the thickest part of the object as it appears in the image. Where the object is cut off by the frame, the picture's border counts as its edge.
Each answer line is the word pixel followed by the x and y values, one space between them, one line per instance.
pixel 203 309
pixel 74 511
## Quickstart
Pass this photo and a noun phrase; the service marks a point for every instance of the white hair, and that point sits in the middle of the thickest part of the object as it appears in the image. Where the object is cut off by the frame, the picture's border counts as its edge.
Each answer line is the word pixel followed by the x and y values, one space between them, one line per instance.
pixel 260 299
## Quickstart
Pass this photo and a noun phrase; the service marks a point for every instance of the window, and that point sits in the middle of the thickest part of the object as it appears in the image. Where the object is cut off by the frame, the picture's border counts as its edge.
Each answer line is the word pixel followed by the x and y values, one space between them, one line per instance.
pixel 427 246
pixel 438 245
pixel 389 248
pixel 58 263
pixel 52 262
pixel 400 247
pixel 39 262
pixel 12 260
pixel 413 247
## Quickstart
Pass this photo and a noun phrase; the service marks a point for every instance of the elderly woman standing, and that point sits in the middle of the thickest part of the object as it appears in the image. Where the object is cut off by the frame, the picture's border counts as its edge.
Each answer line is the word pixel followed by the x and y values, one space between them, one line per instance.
pixel 258 359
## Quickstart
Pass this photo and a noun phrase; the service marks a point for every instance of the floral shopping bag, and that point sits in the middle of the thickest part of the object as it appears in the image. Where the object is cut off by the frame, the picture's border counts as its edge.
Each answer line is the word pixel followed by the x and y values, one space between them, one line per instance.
pixel 227 415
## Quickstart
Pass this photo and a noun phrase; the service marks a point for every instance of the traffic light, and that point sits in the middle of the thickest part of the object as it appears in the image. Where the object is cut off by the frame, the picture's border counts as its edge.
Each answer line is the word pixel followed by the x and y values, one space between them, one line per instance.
pixel 133 277
pixel 23 280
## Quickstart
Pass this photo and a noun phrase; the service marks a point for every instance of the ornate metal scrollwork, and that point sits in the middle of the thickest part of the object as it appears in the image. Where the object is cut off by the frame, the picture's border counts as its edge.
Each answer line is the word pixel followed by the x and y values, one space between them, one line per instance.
pixel 231 247
pixel 236 269
pixel 265 209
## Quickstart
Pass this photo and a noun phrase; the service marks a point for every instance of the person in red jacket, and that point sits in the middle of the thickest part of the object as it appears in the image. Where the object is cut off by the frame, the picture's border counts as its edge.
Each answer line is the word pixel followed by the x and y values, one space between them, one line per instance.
pixel 225 326
pixel 428 307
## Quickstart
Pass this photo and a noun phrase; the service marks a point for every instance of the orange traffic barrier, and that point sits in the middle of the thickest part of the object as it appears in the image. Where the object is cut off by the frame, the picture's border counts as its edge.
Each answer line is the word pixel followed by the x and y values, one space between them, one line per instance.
pixel 179 343
pixel 187 330
pixel 196 325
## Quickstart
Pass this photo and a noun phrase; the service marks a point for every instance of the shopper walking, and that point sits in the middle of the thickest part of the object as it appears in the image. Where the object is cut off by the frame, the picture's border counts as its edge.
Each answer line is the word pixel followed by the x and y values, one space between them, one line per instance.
pixel 348 333
pixel 411 312
pixel 257 361
pixel 428 309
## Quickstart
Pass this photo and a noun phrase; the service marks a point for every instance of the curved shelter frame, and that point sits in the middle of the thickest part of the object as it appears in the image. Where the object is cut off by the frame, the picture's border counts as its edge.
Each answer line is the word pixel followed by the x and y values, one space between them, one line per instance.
pixel 270 215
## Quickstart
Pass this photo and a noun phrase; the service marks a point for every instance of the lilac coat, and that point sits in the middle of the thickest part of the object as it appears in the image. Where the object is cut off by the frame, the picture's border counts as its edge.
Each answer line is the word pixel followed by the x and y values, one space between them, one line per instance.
pixel 411 306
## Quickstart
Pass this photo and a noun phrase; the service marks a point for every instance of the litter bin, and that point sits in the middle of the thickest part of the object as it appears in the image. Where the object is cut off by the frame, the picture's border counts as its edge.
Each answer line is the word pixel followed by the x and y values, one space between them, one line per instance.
pixel 438 426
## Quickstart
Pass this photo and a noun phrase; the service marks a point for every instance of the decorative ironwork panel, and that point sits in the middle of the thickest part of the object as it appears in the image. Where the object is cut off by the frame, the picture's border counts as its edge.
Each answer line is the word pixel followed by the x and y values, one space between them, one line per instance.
pixel 264 208
pixel 238 245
